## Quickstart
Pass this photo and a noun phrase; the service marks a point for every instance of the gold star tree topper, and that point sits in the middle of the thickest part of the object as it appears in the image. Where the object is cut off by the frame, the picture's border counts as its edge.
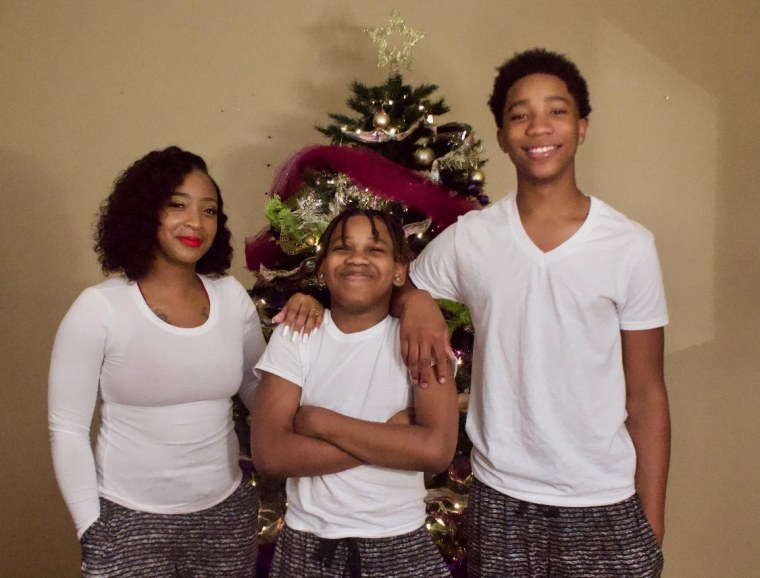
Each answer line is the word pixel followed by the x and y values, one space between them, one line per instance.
pixel 393 57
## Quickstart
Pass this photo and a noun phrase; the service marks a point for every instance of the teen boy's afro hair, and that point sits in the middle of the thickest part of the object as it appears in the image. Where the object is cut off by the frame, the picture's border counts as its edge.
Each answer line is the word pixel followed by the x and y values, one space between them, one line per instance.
pixel 537 61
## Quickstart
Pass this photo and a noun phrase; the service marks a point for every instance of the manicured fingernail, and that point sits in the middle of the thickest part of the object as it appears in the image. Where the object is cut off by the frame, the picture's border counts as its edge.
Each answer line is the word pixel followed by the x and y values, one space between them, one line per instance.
pixel 295 336
pixel 305 337
pixel 285 330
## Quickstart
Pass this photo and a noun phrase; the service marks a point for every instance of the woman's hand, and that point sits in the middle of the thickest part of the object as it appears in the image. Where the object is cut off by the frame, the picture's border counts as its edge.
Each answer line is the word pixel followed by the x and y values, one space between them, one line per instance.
pixel 301 315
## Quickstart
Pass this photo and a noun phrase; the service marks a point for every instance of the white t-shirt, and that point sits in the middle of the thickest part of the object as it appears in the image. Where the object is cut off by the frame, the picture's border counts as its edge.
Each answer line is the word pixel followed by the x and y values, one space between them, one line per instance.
pixel 359 375
pixel 547 406
pixel 166 442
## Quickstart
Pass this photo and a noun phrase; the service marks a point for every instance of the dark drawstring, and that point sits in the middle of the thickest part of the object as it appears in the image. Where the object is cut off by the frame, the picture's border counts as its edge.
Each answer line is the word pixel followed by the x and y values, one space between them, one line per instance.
pixel 326 555
pixel 547 511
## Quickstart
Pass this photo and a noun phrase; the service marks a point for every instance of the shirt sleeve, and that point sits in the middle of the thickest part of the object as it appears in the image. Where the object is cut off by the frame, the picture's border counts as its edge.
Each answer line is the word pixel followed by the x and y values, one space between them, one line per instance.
pixel 644 306
pixel 253 346
pixel 73 381
pixel 435 269
pixel 283 358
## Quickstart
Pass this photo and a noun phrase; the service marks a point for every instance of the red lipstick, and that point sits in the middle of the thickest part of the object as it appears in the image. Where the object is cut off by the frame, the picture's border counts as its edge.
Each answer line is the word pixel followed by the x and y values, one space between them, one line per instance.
pixel 190 241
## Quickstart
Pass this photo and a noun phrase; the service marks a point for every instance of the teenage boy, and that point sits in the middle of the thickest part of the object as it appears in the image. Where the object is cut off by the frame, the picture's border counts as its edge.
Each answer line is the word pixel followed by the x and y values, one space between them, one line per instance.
pixel 568 412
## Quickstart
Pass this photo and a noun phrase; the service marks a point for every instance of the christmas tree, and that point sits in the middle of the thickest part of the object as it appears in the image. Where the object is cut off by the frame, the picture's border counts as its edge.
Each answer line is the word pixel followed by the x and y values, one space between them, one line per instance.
pixel 393 137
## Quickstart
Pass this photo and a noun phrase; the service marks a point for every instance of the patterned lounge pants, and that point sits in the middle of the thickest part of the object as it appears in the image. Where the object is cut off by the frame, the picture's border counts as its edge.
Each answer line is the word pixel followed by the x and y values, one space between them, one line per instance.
pixel 219 541
pixel 509 538
pixel 304 555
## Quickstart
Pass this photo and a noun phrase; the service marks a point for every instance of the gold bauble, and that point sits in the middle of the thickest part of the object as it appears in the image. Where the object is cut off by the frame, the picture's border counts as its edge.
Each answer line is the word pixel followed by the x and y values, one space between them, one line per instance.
pixel 424 156
pixel 381 119
pixel 477 176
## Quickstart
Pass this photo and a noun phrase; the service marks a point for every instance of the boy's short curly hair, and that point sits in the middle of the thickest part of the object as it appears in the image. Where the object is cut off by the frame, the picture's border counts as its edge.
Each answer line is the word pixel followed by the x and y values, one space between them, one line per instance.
pixel 126 234
pixel 401 251
pixel 537 61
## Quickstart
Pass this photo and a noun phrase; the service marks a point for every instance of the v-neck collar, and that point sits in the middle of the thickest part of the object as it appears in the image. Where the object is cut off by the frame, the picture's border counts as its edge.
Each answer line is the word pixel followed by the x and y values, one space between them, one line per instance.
pixel 545 257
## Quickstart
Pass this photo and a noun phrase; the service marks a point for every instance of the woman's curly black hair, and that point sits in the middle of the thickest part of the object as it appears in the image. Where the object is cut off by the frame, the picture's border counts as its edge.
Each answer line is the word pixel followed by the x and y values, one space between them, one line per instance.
pixel 125 238
pixel 537 61
pixel 401 251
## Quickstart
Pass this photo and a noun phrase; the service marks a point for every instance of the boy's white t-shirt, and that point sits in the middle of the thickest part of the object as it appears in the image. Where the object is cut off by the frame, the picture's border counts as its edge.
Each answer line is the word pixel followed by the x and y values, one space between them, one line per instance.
pixel 360 375
pixel 547 407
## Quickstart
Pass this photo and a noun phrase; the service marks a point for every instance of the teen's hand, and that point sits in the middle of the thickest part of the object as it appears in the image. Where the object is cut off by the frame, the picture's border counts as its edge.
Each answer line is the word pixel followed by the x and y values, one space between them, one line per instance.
pixel 424 338
pixel 301 315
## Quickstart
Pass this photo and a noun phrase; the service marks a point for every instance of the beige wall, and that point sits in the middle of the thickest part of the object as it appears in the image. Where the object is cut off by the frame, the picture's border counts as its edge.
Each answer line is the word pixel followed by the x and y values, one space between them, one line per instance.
pixel 87 87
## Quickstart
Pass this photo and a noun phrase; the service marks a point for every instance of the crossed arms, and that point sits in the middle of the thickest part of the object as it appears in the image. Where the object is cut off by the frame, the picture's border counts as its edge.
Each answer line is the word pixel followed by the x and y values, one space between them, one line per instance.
pixel 292 441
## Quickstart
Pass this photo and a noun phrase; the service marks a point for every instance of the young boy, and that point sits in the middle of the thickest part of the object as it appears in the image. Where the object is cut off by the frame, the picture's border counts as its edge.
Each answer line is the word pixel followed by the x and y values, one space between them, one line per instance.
pixel 332 415
pixel 568 411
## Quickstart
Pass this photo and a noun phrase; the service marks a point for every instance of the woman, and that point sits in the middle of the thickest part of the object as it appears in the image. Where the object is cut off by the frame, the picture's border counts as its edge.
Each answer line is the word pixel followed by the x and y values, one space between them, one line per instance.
pixel 165 344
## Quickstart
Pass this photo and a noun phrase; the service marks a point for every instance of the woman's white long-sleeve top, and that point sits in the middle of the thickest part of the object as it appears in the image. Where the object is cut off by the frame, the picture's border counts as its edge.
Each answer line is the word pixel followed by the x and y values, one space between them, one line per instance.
pixel 166 442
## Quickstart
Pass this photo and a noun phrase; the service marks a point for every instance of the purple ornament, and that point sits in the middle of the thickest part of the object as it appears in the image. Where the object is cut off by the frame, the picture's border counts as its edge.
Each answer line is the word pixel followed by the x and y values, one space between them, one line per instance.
pixel 460 469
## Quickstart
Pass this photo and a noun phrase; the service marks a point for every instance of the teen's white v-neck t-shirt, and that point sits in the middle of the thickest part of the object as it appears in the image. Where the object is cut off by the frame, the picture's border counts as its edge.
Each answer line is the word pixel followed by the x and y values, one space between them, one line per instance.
pixel 547 405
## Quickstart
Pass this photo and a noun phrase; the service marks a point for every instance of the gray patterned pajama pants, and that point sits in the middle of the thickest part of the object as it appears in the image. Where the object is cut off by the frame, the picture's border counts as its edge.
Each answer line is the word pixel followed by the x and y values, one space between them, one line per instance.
pixel 509 538
pixel 213 543
pixel 304 555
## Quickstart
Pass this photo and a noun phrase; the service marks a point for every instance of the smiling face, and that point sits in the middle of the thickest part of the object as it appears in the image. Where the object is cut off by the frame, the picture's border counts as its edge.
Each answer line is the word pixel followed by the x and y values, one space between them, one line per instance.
pixel 188 222
pixel 360 271
pixel 541 130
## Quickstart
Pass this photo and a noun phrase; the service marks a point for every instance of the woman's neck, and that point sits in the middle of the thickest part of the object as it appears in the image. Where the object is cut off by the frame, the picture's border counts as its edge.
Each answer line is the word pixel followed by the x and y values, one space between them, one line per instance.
pixel 170 277
pixel 176 295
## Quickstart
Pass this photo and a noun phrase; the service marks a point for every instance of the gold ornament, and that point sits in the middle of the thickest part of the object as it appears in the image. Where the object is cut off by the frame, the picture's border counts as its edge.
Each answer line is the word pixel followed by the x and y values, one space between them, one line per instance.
pixel 395 56
pixel 477 176
pixel 424 156
pixel 381 119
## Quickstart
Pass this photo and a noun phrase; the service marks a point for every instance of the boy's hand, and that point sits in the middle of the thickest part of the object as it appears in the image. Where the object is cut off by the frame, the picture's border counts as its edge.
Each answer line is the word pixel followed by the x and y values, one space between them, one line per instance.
pixel 301 315
pixel 424 339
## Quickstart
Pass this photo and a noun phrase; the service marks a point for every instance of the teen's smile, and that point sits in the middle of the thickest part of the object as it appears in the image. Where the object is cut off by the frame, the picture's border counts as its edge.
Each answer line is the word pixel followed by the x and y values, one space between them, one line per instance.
pixel 541 152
